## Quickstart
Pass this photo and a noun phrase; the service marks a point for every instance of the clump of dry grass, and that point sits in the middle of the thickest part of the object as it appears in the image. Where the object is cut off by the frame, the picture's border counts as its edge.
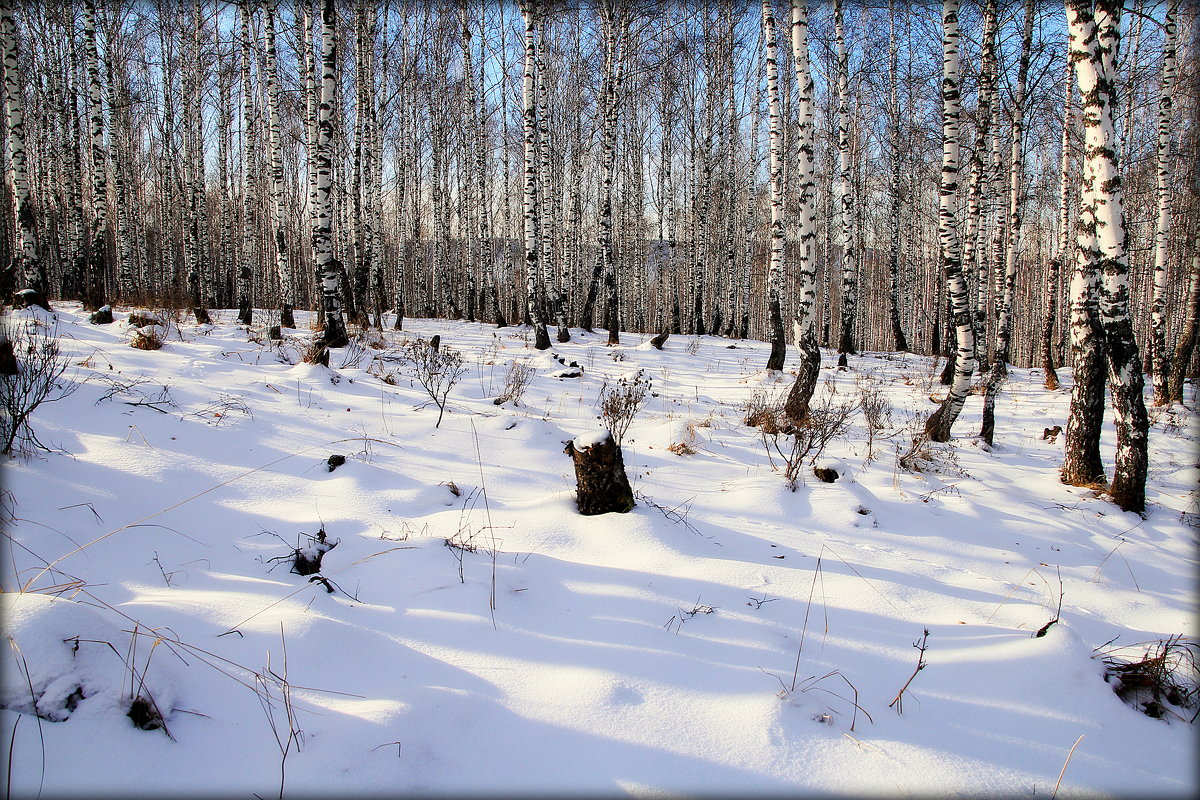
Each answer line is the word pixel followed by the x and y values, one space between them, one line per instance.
pixel 1160 678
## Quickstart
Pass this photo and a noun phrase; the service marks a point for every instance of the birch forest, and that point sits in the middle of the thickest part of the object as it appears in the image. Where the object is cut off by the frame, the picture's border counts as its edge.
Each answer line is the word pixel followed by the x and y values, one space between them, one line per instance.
pixel 1001 183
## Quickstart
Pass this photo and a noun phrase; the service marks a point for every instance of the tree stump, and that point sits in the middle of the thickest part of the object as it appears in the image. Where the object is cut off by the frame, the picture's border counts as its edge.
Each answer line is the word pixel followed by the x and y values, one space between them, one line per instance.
pixel 103 316
pixel 602 485
pixel 658 341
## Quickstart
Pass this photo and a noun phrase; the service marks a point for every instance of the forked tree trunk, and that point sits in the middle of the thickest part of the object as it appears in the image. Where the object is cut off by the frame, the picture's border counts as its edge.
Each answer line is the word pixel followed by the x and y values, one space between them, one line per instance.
pixel 999 370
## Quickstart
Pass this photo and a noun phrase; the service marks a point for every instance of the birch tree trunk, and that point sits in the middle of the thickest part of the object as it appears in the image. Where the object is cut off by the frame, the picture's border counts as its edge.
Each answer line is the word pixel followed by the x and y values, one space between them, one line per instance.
pixel 845 195
pixel 26 267
pixel 1095 38
pixel 999 366
pixel 900 341
pixel 97 264
pixel 1158 309
pixel 245 267
pixel 804 327
pixel 1097 80
pixel 334 334
pixel 775 276
pixel 283 267
pixel 533 293
pixel 1050 376
pixel 940 422
pixel 1186 343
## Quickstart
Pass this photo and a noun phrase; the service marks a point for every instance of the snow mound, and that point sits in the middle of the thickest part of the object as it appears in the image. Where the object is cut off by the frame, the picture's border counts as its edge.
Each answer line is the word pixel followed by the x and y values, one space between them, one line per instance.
pixel 66 658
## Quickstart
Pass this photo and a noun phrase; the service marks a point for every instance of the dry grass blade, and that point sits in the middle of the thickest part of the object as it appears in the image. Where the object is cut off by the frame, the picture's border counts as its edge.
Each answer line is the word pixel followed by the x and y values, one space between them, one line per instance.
pixel 1064 767
pixel 41 735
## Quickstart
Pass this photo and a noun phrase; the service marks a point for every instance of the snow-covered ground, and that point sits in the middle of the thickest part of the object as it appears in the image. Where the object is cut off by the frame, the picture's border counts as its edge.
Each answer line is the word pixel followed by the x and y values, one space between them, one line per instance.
pixel 471 633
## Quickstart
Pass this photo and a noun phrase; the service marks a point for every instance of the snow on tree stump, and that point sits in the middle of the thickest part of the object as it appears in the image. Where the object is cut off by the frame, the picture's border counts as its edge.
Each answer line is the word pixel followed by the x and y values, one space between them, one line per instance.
pixel 102 316
pixel 27 298
pixel 602 485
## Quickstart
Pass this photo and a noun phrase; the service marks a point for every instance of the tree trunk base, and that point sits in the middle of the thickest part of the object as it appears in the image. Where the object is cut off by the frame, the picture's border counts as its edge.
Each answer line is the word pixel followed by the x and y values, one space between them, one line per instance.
pixel 600 476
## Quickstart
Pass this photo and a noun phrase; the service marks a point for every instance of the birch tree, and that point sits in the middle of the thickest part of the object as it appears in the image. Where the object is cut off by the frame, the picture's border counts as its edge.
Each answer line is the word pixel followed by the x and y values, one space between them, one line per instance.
pixel 334 334
pixel 1094 40
pixel 775 270
pixel 999 365
pixel 1054 269
pixel 939 423
pixel 97 263
pixel 845 195
pixel 1158 311
pixel 26 267
pixel 804 328
pixel 533 292
pixel 245 267
pixel 283 266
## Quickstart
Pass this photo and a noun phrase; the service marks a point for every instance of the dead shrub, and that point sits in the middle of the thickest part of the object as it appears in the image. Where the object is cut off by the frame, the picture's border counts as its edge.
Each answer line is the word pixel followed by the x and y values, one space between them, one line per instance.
pixel 516 381
pixel 620 402
pixel 1159 678
pixel 797 443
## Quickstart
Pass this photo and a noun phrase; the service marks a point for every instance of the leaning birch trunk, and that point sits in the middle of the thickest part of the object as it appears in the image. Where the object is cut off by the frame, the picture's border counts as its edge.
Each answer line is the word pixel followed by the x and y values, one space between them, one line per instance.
pixel 26 266
pixel 283 267
pixel 940 422
pixel 775 271
pixel 1050 376
pixel 1158 307
pixel 533 295
pixel 999 366
pixel 1097 77
pixel 845 195
pixel 97 263
pixel 804 327
pixel 334 334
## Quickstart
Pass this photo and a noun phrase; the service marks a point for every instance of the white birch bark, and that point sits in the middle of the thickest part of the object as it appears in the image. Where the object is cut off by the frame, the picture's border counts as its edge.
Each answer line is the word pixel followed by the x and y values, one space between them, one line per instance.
pixel 283 266
pixel 97 264
pixel 322 231
pixel 804 328
pixel 940 422
pixel 845 194
pixel 533 293
pixel 1158 308
pixel 775 275
pixel 26 264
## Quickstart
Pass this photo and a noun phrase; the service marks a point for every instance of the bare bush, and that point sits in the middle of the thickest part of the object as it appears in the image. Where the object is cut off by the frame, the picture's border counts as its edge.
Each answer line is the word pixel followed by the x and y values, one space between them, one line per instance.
pixel 620 402
pixel 1160 678
pixel 37 377
pixel 877 411
pixel 516 381
pixel 804 442
pixel 436 369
